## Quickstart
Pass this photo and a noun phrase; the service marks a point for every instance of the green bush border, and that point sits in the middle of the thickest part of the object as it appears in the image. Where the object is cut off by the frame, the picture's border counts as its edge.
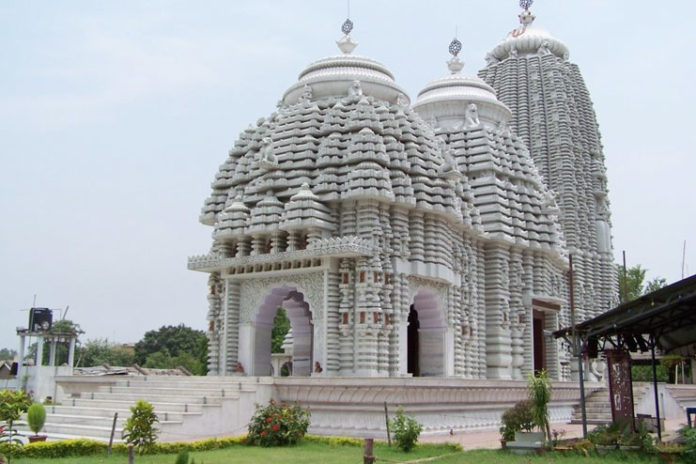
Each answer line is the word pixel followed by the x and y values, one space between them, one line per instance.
pixel 82 447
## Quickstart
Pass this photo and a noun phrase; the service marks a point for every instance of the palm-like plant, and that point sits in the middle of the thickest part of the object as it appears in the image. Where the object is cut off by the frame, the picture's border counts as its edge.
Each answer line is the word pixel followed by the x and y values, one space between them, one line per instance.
pixel 539 389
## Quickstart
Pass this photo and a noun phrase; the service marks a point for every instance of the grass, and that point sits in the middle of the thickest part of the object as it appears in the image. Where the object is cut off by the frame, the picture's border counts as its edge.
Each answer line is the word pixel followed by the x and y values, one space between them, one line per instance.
pixel 309 452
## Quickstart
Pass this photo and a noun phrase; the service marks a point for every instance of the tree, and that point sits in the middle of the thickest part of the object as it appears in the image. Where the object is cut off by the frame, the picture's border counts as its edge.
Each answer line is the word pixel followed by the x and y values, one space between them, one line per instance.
pixel 632 285
pixel 99 351
pixel 7 354
pixel 173 343
pixel 281 326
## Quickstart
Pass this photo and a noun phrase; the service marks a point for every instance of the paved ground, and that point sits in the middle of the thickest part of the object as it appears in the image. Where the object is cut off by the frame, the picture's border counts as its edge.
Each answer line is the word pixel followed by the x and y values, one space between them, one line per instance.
pixel 491 439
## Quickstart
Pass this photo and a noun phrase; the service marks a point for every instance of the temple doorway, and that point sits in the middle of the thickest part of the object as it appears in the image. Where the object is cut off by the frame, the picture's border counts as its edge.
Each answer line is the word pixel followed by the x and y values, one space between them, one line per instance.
pixel 425 337
pixel 301 328
pixel 413 343
pixel 539 344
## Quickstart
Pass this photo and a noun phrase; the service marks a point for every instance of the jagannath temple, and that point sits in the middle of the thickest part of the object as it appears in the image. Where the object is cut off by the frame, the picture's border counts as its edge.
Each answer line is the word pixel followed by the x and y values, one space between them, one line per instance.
pixel 413 238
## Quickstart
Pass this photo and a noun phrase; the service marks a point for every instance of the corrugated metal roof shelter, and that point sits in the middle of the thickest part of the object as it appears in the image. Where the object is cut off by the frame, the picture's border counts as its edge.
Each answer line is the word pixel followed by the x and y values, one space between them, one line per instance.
pixel 664 319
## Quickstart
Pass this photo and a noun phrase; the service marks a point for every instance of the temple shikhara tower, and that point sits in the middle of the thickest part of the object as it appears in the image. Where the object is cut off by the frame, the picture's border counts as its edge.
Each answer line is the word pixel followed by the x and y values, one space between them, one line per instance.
pixel 553 114
pixel 412 239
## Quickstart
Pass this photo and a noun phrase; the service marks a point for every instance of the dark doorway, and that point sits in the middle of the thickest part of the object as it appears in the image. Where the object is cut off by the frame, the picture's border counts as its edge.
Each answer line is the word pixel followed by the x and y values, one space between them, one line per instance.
pixel 539 347
pixel 413 365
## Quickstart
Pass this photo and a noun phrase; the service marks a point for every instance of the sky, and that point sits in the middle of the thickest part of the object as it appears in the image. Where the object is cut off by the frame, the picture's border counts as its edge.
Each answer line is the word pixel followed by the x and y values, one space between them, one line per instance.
pixel 114 117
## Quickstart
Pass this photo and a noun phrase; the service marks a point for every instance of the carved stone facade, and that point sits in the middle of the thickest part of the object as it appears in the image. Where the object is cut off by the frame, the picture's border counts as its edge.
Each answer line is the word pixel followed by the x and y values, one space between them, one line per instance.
pixel 553 114
pixel 398 247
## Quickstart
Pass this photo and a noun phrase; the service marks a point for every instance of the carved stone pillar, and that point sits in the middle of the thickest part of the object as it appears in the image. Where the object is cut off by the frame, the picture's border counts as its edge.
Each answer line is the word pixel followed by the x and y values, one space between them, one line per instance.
pixel 498 340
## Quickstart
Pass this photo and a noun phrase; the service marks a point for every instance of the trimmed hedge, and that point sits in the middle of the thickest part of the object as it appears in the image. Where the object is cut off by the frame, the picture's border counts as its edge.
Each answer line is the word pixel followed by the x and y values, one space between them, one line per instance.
pixel 81 447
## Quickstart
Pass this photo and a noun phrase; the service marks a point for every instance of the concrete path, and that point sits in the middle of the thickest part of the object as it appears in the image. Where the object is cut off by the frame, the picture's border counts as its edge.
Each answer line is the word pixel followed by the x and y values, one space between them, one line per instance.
pixel 491 439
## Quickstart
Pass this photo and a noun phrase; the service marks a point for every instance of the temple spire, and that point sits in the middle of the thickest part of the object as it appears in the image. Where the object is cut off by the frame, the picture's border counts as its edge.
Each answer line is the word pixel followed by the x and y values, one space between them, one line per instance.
pixel 345 43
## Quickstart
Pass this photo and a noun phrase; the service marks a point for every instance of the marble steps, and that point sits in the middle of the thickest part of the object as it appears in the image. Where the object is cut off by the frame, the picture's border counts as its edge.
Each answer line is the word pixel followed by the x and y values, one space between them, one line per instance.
pixel 684 395
pixel 176 401
pixel 598 405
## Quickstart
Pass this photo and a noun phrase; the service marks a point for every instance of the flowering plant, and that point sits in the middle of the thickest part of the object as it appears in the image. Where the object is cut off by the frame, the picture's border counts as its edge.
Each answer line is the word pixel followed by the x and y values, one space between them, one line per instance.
pixel 277 424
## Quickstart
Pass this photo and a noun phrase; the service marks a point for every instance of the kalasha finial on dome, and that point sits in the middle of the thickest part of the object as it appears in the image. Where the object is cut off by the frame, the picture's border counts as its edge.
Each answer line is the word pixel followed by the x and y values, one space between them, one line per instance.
pixel 526 17
pixel 345 43
pixel 347 26
pixel 455 64
pixel 455 47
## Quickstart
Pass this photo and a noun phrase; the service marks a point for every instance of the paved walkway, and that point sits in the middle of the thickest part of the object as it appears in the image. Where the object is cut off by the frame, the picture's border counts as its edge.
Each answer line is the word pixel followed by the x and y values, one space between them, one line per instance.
pixel 491 439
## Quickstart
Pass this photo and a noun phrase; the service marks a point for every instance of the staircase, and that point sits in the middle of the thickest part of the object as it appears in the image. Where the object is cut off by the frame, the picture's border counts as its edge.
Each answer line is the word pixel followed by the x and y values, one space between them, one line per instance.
pixel 598 405
pixel 187 407
pixel 684 395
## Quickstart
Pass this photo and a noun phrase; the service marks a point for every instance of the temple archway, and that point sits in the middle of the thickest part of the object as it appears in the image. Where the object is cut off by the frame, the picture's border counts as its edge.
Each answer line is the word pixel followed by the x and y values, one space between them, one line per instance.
pixel 300 316
pixel 426 337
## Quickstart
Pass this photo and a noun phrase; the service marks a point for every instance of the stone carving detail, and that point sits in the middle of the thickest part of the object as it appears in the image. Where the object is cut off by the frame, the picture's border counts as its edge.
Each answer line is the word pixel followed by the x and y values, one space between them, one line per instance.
pixel 472 119
pixel 306 95
pixel 355 89
pixel 268 159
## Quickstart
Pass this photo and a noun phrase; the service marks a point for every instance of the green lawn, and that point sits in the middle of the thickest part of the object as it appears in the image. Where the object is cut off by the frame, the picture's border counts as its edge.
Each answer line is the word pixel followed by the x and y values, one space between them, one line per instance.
pixel 309 453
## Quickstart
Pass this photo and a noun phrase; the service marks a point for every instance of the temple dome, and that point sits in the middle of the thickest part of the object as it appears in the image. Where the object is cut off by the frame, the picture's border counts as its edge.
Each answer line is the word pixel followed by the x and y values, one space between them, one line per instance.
pixel 507 189
pixel 446 99
pixel 344 130
pixel 528 40
pixel 333 76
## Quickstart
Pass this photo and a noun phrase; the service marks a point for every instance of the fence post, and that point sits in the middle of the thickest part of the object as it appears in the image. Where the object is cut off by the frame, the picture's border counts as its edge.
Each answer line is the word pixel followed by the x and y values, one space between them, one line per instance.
pixel 368 457
pixel 130 453
pixel 111 438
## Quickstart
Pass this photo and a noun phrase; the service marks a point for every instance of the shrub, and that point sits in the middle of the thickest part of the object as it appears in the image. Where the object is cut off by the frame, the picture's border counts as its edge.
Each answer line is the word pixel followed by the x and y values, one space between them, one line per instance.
pixel 516 419
pixel 539 389
pixel 36 416
pixel 182 458
pixel 334 441
pixel 605 435
pixel 689 436
pixel 582 447
pixel 140 427
pixel 405 429
pixel 277 425
pixel 641 373
pixel 13 404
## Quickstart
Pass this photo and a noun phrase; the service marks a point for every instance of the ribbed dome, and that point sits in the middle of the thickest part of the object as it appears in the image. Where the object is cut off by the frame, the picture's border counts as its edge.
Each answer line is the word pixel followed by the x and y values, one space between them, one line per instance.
pixel 446 100
pixel 345 130
pixel 528 39
pixel 333 76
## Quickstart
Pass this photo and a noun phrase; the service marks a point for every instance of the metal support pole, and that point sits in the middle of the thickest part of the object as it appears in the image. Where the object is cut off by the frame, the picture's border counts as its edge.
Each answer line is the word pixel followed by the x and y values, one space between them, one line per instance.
pixel 657 401
pixel 386 420
pixel 582 387
pixel 577 347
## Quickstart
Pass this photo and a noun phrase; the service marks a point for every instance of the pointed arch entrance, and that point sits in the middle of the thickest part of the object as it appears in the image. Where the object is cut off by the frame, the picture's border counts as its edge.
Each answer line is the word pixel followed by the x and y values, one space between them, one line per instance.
pixel 298 311
pixel 426 337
